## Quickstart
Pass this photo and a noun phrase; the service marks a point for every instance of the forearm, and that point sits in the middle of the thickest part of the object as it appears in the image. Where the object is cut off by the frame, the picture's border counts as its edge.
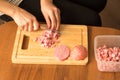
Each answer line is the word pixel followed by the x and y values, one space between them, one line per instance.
pixel 43 2
pixel 7 8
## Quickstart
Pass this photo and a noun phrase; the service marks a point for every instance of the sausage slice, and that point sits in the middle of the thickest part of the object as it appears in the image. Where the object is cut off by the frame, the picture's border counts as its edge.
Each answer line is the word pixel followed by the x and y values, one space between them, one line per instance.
pixel 62 52
pixel 79 52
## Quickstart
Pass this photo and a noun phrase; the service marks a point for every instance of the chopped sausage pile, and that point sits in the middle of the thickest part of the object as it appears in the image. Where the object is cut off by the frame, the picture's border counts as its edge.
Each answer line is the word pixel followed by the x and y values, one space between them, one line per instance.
pixel 48 38
pixel 108 58
pixel 105 53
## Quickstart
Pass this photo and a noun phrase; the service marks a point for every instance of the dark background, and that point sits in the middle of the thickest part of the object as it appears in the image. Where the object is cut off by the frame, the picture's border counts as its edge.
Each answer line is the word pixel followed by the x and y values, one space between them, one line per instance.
pixel 111 14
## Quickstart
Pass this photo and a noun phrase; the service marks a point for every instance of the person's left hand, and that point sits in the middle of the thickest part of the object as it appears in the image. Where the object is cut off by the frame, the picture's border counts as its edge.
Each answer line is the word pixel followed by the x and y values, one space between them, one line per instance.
pixel 51 14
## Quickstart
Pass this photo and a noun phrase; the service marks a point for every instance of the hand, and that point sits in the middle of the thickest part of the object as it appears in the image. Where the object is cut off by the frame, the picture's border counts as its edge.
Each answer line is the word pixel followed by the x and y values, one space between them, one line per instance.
pixel 51 14
pixel 25 20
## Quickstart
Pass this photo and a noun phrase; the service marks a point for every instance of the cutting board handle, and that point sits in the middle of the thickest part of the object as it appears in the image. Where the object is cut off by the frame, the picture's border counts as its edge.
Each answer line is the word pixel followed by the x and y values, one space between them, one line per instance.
pixel 25 42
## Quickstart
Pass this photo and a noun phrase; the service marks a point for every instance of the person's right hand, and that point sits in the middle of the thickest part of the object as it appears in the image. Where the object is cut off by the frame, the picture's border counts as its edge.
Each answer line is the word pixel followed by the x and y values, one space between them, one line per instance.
pixel 25 20
pixel 51 14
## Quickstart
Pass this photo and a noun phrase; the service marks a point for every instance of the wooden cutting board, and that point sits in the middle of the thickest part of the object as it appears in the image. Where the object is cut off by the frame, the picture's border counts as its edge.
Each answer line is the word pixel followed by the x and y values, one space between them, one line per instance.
pixel 27 51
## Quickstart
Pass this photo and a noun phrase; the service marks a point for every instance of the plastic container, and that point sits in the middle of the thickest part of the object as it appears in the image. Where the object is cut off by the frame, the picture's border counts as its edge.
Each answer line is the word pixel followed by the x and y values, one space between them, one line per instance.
pixel 109 41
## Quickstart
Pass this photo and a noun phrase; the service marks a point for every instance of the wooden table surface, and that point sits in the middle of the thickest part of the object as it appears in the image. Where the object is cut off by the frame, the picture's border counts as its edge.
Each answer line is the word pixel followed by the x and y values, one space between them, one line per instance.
pixel 10 71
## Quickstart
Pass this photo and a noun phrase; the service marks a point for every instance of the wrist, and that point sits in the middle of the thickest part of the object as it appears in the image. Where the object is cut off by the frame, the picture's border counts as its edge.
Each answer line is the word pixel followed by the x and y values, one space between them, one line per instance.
pixel 13 12
pixel 16 12
pixel 46 1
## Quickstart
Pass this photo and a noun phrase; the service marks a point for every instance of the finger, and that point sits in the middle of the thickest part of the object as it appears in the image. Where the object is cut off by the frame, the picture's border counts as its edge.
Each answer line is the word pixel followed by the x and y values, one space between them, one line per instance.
pixel 21 27
pixel 26 27
pixel 30 26
pixel 57 14
pixel 53 21
pixel 47 18
pixel 36 25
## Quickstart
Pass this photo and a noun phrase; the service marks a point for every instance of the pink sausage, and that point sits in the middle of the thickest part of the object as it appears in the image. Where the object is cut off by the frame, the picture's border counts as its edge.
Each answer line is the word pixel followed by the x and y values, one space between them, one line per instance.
pixel 62 52
pixel 79 52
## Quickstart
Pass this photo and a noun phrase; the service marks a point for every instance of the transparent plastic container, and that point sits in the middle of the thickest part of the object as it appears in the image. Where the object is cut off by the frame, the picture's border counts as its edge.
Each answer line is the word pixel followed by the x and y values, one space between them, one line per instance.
pixel 109 41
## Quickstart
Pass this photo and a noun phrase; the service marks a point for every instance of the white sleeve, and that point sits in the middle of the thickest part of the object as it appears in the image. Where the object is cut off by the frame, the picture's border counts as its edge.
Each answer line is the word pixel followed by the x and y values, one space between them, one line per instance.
pixel 1 13
pixel 15 2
